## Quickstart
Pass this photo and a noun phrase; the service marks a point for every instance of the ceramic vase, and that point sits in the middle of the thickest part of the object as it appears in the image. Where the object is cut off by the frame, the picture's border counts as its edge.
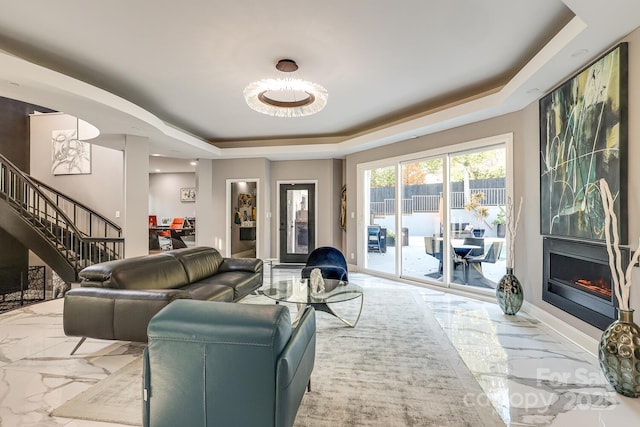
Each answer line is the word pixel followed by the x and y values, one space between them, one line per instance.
pixel 509 293
pixel 619 354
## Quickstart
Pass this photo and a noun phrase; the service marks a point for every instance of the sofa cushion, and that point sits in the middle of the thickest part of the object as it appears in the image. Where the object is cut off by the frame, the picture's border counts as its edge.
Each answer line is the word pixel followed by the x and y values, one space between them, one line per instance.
pixel 198 262
pixel 253 265
pixel 210 292
pixel 242 282
pixel 146 272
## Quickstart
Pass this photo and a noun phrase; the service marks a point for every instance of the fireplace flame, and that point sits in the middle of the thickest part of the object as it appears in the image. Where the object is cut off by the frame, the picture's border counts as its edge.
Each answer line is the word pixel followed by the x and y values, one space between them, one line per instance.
pixel 599 286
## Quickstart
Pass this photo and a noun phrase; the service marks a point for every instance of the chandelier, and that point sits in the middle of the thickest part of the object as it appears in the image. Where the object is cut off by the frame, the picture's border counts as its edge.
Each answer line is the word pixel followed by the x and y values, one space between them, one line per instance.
pixel 286 97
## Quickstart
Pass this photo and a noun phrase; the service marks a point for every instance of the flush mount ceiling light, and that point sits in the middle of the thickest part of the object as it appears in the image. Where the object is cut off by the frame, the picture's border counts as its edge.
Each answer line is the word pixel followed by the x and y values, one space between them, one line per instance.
pixel 286 97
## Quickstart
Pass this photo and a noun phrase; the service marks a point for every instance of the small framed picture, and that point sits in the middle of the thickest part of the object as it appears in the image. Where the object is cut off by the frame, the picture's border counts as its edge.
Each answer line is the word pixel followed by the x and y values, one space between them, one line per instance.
pixel 188 194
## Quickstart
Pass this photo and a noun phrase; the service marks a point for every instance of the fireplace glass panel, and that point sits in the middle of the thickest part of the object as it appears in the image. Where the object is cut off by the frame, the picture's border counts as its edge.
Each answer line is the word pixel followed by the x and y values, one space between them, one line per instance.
pixel 586 275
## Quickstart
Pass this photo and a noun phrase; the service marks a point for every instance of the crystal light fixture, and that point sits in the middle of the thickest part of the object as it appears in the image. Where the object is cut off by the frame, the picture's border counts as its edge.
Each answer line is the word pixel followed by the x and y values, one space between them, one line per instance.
pixel 286 97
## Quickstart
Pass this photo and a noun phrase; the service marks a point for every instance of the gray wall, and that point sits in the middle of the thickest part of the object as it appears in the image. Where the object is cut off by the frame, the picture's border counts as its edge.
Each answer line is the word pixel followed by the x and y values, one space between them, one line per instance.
pixel 164 195
pixel 240 169
pixel 529 245
pixel 102 190
pixel 14 145
pixel 524 125
pixel 510 123
pixel 328 174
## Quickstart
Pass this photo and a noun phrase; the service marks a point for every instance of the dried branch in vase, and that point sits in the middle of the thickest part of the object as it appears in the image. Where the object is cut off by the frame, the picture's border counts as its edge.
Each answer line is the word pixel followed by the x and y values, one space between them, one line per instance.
pixel 512 227
pixel 621 279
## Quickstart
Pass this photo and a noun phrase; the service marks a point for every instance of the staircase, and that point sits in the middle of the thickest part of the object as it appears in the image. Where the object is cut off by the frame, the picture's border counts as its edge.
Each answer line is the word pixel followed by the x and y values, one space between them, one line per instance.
pixel 64 233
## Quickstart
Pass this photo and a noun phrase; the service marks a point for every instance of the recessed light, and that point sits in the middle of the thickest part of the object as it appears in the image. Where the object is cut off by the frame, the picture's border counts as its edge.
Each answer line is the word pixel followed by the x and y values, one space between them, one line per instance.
pixel 155 155
pixel 579 52
pixel 157 170
pixel 193 163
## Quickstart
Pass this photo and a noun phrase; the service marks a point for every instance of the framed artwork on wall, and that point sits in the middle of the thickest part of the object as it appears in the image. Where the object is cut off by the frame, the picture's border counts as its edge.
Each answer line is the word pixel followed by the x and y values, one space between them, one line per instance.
pixel 583 138
pixel 69 155
pixel 188 194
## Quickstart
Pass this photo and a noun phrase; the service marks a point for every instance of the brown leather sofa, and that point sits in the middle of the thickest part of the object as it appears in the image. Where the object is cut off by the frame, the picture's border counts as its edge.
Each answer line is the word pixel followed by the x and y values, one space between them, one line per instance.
pixel 116 299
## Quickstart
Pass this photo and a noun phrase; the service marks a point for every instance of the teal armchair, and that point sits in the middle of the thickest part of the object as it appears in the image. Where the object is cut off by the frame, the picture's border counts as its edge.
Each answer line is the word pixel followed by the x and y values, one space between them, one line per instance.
pixel 220 364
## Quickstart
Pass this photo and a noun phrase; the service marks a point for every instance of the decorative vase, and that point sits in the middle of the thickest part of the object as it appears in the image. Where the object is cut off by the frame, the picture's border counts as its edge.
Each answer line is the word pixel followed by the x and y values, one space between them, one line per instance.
pixel 478 232
pixel 619 354
pixel 509 293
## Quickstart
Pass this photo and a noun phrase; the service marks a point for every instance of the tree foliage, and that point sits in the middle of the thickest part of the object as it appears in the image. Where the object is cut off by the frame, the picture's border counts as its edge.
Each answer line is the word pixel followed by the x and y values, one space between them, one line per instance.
pixel 383 177
pixel 479 165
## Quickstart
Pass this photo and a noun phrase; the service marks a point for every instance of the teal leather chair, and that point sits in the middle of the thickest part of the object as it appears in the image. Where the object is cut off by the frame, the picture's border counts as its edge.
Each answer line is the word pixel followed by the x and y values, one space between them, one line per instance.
pixel 220 364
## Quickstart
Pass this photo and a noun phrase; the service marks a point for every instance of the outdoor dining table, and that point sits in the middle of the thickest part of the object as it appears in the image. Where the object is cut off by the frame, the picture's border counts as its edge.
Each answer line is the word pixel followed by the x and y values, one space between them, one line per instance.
pixel 463 251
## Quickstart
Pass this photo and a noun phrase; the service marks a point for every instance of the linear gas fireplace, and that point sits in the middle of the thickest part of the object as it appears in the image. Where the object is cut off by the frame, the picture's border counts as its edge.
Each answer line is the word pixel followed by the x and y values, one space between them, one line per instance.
pixel 577 279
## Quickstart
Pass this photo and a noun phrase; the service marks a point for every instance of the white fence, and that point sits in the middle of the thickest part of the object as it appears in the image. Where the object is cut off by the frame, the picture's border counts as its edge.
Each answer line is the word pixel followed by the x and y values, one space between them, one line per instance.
pixel 427 204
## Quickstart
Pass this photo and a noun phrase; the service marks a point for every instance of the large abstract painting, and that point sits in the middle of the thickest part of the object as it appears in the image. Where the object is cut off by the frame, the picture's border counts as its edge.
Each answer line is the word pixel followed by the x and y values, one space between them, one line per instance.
pixel 69 155
pixel 583 137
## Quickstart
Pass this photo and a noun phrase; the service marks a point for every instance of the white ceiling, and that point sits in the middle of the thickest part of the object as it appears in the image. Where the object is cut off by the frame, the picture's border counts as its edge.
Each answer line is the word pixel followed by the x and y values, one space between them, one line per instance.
pixel 175 71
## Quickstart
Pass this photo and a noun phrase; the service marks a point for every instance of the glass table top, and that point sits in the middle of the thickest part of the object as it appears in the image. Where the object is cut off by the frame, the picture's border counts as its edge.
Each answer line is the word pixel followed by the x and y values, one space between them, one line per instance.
pixel 299 291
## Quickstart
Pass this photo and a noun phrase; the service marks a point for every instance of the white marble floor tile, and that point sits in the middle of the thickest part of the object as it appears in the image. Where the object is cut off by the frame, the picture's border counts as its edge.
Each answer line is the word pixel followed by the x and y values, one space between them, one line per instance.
pixel 529 373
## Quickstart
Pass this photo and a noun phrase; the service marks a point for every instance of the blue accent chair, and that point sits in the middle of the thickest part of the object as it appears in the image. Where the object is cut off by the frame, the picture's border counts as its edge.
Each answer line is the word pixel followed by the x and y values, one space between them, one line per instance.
pixel 330 261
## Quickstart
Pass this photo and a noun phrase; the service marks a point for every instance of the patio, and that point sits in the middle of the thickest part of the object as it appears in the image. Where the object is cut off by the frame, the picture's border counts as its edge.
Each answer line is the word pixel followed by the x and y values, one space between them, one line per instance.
pixel 417 264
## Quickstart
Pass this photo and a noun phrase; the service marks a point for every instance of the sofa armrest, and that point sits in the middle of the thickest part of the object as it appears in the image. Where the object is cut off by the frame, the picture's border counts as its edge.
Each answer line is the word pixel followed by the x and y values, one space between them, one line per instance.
pixel 252 265
pixel 294 368
pixel 114 313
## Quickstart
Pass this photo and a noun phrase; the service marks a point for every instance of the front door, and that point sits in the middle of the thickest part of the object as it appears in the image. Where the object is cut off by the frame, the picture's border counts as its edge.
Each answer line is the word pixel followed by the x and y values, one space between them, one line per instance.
pixel 297 222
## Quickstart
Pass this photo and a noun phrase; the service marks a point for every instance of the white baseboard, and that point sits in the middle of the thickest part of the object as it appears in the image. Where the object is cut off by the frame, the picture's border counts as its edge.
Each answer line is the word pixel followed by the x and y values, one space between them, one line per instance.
pixel 588 343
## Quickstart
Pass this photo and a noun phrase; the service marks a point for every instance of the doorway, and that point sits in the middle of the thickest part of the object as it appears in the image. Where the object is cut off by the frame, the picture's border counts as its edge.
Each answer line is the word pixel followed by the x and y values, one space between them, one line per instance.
pixel 297 228
pixel 243 197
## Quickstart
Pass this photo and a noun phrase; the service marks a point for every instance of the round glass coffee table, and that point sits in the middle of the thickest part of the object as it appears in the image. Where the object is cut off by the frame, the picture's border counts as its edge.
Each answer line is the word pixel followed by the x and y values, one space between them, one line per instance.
pixel 298 291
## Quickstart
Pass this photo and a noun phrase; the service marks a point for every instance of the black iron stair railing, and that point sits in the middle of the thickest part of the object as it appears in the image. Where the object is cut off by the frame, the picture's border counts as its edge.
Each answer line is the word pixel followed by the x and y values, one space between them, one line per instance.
pixel 82 236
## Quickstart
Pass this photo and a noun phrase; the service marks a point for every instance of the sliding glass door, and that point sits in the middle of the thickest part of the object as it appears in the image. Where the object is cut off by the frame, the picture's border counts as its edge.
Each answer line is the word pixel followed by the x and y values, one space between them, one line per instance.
pixel 438 218
pixel 477 197
pixel 422 219
pixel 380 227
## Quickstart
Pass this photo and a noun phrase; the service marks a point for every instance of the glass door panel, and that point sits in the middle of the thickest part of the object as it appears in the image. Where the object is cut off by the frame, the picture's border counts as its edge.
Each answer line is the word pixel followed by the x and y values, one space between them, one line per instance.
pixel 297 222
pixel 380 224
pixel 477 194
pixel 422 218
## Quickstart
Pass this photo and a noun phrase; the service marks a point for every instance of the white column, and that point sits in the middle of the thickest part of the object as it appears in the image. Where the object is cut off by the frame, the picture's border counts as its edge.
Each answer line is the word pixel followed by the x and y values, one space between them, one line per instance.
pixel 136 196
pixel 204 204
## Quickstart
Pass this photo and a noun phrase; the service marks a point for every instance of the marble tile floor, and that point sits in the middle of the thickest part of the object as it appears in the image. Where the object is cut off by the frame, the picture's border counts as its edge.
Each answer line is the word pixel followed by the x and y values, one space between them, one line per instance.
pixel 530 374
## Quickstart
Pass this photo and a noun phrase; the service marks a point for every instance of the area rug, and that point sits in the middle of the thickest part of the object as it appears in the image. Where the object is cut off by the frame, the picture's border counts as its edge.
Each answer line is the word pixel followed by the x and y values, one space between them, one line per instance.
pixel 116 399
pixel 396 368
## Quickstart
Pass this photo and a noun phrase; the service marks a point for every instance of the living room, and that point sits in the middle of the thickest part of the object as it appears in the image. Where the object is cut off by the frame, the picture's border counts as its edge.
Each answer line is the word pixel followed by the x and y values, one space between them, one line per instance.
pixel 330 170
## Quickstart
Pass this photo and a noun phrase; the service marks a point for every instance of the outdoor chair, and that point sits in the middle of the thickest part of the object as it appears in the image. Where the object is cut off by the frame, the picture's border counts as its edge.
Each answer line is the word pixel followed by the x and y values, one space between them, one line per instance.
pixel 475 241
pixel 433 247
pixel 373 235
pixel 491 256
